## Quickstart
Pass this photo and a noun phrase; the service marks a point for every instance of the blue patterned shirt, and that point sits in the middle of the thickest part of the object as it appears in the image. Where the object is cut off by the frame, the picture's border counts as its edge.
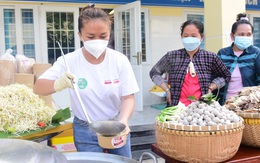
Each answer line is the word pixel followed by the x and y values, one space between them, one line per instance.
pixel 248 63
pixel 176 62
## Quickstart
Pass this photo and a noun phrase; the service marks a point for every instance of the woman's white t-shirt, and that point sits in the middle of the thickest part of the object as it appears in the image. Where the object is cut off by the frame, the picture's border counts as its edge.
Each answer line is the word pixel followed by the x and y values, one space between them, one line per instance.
pixel 100 86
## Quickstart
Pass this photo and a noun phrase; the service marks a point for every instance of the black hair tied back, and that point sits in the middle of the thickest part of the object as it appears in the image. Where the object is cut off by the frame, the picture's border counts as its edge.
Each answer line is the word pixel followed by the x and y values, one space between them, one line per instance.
pixel 91 12
pixel 242 17
pixel 91 5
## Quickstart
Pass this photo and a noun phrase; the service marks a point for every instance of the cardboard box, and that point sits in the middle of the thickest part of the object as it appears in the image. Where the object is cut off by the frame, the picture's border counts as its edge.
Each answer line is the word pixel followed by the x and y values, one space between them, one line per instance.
pixel 64 142
pixel 23 78
pixel 39 69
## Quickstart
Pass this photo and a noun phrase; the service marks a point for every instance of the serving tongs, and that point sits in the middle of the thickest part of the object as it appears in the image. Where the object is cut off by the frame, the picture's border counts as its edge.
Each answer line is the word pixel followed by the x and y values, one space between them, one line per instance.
pixel 108 128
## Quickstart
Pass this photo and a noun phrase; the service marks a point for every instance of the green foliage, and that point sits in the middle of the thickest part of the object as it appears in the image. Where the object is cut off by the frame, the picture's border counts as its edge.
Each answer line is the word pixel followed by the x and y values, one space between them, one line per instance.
pixel 61 115
pixel 170 113
pixel 207 98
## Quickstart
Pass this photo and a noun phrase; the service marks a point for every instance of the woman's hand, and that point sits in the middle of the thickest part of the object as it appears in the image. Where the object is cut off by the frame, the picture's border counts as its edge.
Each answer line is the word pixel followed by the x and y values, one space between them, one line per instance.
pixel 127 128
pixel 168 97
pixel 127 108
pixel 212 87
pixel 65 81
pixel 167 90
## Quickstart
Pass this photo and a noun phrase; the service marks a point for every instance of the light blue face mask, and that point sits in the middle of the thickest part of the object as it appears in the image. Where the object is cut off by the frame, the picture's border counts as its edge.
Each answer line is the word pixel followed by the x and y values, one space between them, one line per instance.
pixel 191 43
pixel 243 42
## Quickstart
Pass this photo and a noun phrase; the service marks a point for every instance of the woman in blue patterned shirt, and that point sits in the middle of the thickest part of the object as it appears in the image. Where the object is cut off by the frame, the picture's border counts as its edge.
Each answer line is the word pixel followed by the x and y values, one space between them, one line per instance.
pixel 241 58
pixel 190 68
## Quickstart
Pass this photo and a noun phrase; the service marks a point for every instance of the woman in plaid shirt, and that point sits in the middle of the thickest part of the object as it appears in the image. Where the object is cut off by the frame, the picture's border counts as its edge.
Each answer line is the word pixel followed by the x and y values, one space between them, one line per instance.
pixel 241 58
pixel 190 69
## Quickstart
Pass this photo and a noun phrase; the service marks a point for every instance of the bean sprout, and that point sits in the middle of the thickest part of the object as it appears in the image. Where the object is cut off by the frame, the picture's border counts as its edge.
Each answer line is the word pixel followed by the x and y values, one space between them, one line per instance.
pixel 21 109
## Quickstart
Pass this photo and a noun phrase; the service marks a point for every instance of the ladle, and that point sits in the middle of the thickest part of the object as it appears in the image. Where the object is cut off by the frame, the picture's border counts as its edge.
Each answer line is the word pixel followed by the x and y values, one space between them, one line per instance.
pixel 107 128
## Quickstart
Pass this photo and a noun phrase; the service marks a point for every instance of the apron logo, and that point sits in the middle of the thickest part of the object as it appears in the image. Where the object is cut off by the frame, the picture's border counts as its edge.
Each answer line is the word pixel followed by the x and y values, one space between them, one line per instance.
pixel 82 83
pixel 114 81
pixel 108 82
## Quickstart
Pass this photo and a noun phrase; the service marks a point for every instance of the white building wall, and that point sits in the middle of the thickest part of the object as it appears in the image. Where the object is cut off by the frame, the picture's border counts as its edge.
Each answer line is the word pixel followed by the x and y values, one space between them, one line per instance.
pixel 164 36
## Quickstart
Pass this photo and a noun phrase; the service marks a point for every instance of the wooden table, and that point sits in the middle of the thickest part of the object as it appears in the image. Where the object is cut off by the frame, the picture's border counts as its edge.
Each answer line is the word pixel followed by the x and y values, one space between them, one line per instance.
pixel 244 154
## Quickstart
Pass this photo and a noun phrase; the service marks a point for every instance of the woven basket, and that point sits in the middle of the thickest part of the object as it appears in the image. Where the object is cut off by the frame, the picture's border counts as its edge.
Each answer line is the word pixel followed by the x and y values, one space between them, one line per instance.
pixel 199 146
pixel 251 133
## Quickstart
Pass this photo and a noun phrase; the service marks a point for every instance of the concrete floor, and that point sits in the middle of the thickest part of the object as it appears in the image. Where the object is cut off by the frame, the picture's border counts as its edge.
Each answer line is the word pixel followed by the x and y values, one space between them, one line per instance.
pixel 147 116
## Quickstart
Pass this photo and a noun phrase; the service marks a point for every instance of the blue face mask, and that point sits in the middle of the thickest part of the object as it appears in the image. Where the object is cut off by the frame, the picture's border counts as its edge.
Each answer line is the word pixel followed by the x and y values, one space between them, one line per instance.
pixel 191 43
pixel 243 42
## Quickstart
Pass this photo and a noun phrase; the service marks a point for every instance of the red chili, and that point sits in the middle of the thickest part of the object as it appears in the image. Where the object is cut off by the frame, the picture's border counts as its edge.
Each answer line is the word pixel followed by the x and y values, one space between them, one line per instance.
pixel 41 124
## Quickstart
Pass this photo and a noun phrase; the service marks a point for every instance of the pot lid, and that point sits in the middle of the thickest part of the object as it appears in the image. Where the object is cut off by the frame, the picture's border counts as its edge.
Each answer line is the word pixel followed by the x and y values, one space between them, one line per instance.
pixel 24 151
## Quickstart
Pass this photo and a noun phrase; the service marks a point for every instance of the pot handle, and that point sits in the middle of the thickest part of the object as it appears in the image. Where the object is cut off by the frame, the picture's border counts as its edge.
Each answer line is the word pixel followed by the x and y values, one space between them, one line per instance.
pixel 149 154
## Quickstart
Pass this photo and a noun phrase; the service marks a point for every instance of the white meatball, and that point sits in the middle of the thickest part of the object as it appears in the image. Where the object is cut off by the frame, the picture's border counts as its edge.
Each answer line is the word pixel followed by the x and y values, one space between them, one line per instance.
pixel 185 122
pixel 211 115
pixel 196 115
pixel 207 112
pixel 211 123
pixel 216 120
pixel 200 111
pixel 189 118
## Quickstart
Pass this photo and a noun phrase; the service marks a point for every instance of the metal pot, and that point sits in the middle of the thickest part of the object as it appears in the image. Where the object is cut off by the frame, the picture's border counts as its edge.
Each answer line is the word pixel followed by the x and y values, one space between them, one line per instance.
pixel 107 128
pixel 24 151
pixel 94 157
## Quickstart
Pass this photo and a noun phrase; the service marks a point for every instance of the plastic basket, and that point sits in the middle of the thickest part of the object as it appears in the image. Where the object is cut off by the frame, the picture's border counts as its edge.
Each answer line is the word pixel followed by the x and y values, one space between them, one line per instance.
pixel 199 146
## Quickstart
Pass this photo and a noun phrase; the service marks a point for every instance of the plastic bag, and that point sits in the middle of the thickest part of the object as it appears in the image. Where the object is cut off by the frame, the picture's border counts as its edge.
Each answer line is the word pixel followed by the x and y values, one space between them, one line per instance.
pixel 7 68
pixel 8 55
pixel 24 64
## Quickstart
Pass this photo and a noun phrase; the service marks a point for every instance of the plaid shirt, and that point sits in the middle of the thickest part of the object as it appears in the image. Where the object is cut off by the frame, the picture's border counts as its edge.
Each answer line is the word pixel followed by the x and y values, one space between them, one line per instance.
pixel 176 62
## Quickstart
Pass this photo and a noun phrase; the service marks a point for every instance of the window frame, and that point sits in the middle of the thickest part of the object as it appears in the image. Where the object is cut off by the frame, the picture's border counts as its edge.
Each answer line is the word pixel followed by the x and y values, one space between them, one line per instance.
pixel 18 25
pixel 42 17
pixel 251 20
pixel 147 35
pixel 191 12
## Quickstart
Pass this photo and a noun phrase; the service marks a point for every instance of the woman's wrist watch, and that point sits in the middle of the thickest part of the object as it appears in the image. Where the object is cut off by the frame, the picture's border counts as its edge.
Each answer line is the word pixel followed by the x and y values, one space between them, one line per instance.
pixel 167 90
